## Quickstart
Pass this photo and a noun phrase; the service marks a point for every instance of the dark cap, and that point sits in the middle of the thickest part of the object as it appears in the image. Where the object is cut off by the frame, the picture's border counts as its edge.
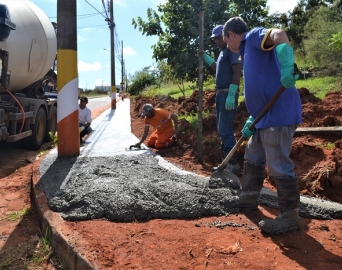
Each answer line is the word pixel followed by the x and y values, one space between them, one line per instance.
pixel 146 109
pixel 84 99
pixel 217 31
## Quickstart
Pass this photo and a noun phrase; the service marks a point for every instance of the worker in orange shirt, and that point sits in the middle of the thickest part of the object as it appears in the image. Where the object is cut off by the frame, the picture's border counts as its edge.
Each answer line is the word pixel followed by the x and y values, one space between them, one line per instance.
pixel 166 132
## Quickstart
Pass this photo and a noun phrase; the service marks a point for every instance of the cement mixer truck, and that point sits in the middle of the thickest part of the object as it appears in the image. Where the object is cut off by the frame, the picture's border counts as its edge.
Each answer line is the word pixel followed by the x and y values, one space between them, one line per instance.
pixel 28 48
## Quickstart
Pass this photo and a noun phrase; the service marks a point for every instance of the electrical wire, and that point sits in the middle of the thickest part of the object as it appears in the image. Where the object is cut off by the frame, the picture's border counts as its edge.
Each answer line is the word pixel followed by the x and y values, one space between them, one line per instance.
pixel 104 6
pixel 118 53
pixel 96 9
pixel 86 16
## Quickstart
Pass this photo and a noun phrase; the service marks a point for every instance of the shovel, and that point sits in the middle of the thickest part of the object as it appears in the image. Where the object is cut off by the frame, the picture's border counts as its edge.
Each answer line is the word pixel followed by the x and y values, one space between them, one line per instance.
pixel 220 172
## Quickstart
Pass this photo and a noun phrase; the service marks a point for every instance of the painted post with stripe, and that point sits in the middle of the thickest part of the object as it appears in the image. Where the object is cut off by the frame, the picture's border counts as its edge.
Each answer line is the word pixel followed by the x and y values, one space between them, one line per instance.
pixel 67 80
pixel 112 58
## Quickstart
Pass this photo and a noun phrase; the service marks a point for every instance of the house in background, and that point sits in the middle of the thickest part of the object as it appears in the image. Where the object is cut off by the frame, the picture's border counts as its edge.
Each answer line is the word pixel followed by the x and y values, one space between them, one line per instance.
pixel 107 87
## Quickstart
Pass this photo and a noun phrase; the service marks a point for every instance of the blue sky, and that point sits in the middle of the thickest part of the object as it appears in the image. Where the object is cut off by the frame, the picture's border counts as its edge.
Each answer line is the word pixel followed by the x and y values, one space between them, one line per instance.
pixel 93 37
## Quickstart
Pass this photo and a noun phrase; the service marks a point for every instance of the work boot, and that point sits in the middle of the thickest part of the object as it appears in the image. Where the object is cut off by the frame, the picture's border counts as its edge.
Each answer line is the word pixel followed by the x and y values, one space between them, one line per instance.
pixel 288 201
pixel 233 164
pixel 252 182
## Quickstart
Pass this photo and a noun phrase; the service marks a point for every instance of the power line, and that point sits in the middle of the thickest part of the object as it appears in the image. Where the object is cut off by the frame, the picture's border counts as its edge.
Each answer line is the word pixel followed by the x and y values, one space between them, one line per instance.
pixel 101 25
pixel 96 9
pixel 117 44
pixel 104 6
pixel 85 16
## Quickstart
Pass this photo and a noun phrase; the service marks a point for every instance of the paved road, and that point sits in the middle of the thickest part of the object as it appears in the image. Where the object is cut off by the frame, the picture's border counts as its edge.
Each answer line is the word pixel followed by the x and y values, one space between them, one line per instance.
pixel 94 103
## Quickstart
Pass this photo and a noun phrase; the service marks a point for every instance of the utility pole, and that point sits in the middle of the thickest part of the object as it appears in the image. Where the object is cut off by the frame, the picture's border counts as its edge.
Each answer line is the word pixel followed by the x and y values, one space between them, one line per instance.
pixel 112 59
pixel 200 85
pixel 126 80
pixel 122 67
pixel 67 80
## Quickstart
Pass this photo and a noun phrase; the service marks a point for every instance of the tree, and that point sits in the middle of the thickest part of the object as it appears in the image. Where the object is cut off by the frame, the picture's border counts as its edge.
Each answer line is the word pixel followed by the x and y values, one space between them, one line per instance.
pixel 294 21
pixel 176 25
pixel 321 27
pixel 336 42
pixel 140 80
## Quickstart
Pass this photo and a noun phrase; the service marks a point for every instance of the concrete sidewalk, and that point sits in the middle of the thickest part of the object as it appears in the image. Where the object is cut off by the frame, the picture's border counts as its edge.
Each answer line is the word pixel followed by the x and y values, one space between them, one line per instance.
pixel 111 133
pixel 106 181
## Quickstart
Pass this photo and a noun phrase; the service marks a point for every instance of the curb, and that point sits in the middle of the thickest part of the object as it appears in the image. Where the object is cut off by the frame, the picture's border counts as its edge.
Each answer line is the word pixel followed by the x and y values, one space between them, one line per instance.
pixel 50 222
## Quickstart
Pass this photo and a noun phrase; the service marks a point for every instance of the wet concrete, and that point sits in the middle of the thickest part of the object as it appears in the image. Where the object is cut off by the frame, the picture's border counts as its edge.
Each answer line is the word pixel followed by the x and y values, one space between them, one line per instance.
pixel 125 188
pixel 106 181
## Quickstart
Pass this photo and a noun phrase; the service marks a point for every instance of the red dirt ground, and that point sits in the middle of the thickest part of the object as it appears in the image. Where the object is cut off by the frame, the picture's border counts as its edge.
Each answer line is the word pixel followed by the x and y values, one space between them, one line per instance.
pixel 229 242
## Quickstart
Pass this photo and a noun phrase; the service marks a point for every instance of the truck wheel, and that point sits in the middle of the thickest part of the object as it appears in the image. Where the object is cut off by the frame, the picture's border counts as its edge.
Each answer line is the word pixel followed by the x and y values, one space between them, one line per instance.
pixel 51 125
pixel 35 141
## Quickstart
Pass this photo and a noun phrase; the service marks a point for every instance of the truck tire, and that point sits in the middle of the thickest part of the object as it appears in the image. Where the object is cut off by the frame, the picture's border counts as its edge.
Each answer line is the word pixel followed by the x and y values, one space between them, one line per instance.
pixel 51 124
pixel 35 141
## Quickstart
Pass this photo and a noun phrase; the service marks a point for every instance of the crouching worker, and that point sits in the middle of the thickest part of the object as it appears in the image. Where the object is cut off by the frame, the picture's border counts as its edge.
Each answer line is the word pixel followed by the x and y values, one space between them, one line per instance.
pixel 166 132
pixel 84 118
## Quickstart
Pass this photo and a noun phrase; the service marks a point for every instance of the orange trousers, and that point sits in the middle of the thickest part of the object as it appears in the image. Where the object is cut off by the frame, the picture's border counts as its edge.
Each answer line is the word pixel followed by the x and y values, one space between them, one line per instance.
pixel 160 140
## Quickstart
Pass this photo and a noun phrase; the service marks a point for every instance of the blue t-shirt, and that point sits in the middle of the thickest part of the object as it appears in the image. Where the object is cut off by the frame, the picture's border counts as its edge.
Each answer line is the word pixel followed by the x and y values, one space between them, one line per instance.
pixel 224 71
pixel 261 72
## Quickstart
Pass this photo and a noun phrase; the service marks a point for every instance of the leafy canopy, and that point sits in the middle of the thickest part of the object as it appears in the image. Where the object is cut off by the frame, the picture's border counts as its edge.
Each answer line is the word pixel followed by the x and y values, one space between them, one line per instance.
pixel 176 23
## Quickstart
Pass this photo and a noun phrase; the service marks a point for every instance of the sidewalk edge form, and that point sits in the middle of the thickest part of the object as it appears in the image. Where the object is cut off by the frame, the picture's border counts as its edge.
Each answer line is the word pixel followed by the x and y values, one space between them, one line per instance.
pixel 50 222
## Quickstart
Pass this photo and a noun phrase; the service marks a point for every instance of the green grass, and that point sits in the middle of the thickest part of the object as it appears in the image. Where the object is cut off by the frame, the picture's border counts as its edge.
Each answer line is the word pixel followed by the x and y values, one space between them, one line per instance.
pixel 317 86
pixel 193 118
pixel 320 86
pixel 326 146
pixel 171 90
pixel 31 255
pixel 14 216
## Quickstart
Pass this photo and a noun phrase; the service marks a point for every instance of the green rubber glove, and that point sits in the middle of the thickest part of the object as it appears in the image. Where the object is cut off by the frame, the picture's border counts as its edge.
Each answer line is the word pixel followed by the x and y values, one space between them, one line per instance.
pixel 286 60
pixel 230 100
pixel 246 132
pixel 209 60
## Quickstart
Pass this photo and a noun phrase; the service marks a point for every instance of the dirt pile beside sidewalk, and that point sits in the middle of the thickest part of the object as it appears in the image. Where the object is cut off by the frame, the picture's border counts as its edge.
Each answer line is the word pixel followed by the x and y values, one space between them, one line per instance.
pixel 317 157
pixel 226 242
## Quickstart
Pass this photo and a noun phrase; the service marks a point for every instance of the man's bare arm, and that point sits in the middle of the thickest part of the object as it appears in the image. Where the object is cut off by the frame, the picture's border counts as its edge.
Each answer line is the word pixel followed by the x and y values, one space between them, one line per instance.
pixel 144 135
pixel 276 37
pixel 237 73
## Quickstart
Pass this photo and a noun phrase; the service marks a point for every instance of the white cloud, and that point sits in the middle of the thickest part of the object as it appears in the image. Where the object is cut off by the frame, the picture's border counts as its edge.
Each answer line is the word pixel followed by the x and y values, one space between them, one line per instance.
pixel 281 5
pixel 122 3
pixel 128 51
pixel 159 1
pixel 87 29
pixel 80 38
pixel 82 66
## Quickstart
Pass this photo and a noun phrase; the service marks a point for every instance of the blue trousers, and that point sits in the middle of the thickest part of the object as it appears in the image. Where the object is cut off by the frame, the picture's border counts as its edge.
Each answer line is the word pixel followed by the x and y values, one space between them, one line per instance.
pixel 84 131
pixel 225 122
pixel 272 146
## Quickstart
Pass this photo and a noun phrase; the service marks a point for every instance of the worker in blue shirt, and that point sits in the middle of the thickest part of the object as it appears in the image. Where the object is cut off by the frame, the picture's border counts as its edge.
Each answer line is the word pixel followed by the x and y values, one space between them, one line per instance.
pixel 228 73
pixel 268 63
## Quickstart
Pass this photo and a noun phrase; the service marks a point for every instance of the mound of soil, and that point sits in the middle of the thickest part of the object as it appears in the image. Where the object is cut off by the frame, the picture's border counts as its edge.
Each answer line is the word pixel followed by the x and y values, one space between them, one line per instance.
pixel 317 157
